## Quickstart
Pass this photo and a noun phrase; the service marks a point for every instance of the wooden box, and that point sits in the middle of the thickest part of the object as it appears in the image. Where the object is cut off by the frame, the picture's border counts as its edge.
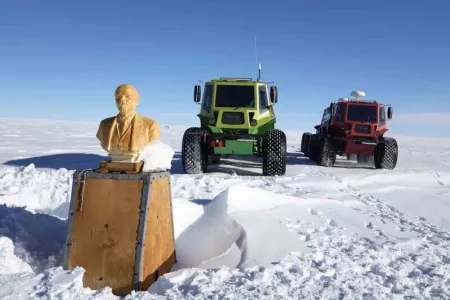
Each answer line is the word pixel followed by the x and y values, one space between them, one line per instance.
pixel 120 229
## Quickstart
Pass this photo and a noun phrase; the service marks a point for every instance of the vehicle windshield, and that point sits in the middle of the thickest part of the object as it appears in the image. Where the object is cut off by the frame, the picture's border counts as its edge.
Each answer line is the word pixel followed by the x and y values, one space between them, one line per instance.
pixel 235 96
pixel 362 113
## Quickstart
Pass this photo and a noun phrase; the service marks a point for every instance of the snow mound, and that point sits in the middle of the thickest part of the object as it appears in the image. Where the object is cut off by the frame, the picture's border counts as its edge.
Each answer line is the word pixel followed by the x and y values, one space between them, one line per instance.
pixel 244 198
pixel 213 240
pixel 157 156
pixel 38 238
pixel 54 283
pixel 10 263
pixel 39 191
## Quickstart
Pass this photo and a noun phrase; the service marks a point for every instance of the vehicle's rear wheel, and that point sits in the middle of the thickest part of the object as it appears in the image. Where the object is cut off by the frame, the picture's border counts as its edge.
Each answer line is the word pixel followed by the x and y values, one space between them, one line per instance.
pixel 386 154
pixel 313 147
pixel 327 156
pixel 274 153
pixel 194 152
pixel 305 143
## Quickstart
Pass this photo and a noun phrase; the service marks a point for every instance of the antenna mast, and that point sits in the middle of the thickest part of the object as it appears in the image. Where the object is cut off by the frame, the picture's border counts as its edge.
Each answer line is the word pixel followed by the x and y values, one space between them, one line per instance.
pixel 257 61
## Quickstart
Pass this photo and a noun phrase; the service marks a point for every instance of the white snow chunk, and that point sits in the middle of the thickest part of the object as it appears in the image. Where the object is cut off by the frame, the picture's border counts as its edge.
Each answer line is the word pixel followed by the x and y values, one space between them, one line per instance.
pixel 54 283
pixel 9 263
pixel 212 240
pixel 157 156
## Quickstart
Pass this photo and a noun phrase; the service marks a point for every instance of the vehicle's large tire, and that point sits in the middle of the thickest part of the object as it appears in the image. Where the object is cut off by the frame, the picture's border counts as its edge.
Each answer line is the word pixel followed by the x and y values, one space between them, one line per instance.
pixel 305 143
pixel 327 156
pixel 193 152
pixel 274 153
pixel 386 154
pixel 309 146
pixel 313 148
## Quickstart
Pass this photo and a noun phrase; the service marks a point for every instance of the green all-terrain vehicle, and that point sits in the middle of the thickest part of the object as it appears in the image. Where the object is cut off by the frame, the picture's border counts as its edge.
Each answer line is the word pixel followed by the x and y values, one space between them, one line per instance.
pixel 236 118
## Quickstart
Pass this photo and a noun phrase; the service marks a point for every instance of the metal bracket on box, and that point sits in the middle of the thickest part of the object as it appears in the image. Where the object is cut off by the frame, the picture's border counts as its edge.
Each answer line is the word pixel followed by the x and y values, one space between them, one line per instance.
pixel 72 209
pixel 83 178
pixel 171 213
pixel 133 176
pixel 142 230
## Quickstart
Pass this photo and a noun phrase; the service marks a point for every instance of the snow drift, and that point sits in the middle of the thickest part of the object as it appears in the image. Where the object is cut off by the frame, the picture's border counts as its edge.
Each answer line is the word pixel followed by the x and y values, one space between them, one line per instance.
pixel 342 232
pixel 213 240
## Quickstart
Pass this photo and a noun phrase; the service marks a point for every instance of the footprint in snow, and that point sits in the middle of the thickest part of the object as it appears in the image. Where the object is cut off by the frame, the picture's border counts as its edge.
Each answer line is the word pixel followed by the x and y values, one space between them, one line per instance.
pixel 313 211
pixel 369 225
pixel 332 223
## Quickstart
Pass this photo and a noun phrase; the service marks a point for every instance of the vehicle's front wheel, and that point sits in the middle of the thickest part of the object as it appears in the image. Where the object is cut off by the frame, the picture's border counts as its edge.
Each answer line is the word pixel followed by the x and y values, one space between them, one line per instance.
pixel 193 152
pixel 386 154
pixel 274 153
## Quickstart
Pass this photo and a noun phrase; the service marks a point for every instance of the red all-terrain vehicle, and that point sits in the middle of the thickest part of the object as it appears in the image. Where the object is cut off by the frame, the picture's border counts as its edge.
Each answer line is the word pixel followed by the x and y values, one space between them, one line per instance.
pixel 354 128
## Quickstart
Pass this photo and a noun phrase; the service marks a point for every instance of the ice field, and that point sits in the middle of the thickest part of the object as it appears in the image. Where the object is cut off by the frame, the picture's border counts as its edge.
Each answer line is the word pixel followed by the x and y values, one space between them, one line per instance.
pixel 347 232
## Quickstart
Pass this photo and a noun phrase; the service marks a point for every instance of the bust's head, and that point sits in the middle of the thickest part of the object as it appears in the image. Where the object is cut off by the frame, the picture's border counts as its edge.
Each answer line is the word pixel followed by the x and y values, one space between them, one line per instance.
pixel 127 98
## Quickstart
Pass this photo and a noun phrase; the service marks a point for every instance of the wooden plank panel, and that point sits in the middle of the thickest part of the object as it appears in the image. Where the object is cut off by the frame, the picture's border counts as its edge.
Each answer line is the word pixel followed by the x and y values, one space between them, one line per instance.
pixel 114 166
pixel 159 250
pixel 104 233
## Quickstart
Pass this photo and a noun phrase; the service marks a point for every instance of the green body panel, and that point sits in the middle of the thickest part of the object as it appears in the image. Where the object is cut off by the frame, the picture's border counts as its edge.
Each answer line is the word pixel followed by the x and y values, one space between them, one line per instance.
pixel 270 124
pixel 235 147
pixel 259 129
pixel 204 120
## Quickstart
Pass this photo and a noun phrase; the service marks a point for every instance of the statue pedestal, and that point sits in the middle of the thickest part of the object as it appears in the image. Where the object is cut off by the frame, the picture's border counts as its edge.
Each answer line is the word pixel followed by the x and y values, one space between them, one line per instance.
pixel 131 157
pixel 124 167
pixel 120 227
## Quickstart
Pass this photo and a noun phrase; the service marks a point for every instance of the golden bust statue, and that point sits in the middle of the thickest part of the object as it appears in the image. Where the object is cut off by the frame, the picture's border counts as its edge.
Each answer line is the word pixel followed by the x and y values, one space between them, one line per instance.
pixel 126 134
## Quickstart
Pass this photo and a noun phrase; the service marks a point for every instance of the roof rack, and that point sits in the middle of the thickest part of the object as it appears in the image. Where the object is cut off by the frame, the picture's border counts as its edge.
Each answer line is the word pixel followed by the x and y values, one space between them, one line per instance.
pixel 354 100
pixel 367 101
pixel 234 79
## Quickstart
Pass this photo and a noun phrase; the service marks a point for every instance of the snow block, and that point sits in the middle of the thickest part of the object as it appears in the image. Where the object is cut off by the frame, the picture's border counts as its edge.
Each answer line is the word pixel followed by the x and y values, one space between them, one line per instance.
pixel 120 229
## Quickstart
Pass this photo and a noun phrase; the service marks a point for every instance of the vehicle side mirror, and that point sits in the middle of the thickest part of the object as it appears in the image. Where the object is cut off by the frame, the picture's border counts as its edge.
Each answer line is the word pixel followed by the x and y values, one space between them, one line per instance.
pixel 197 93
pixel 389 112
pixel 274 94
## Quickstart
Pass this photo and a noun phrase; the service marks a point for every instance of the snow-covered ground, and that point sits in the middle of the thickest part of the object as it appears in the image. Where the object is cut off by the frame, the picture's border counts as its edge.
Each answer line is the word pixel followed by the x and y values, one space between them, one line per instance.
pixel 348 232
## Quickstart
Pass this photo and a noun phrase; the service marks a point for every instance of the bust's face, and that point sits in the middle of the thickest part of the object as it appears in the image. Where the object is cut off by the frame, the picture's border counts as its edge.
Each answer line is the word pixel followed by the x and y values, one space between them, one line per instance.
pixel 126 100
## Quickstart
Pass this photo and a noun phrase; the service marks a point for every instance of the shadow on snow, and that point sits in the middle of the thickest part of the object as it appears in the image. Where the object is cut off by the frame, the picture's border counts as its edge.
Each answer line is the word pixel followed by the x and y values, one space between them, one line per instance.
pixel 68 161
pixel 242 165
pixel 38 238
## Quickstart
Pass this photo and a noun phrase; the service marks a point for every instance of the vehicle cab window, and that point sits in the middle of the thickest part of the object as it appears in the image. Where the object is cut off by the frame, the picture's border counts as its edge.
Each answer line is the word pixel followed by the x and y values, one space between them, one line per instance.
pixel 382 117
pixel 207 98
pixel 340 113
pixel 326 115
pixel 263 99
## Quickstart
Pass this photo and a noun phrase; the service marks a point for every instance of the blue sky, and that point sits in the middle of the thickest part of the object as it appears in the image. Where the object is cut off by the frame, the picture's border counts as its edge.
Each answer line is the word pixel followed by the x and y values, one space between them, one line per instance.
pixel 63 60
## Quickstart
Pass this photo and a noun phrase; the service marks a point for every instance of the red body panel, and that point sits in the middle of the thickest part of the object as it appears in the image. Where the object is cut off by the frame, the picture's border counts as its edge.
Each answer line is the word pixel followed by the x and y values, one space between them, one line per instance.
pixel 359 148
